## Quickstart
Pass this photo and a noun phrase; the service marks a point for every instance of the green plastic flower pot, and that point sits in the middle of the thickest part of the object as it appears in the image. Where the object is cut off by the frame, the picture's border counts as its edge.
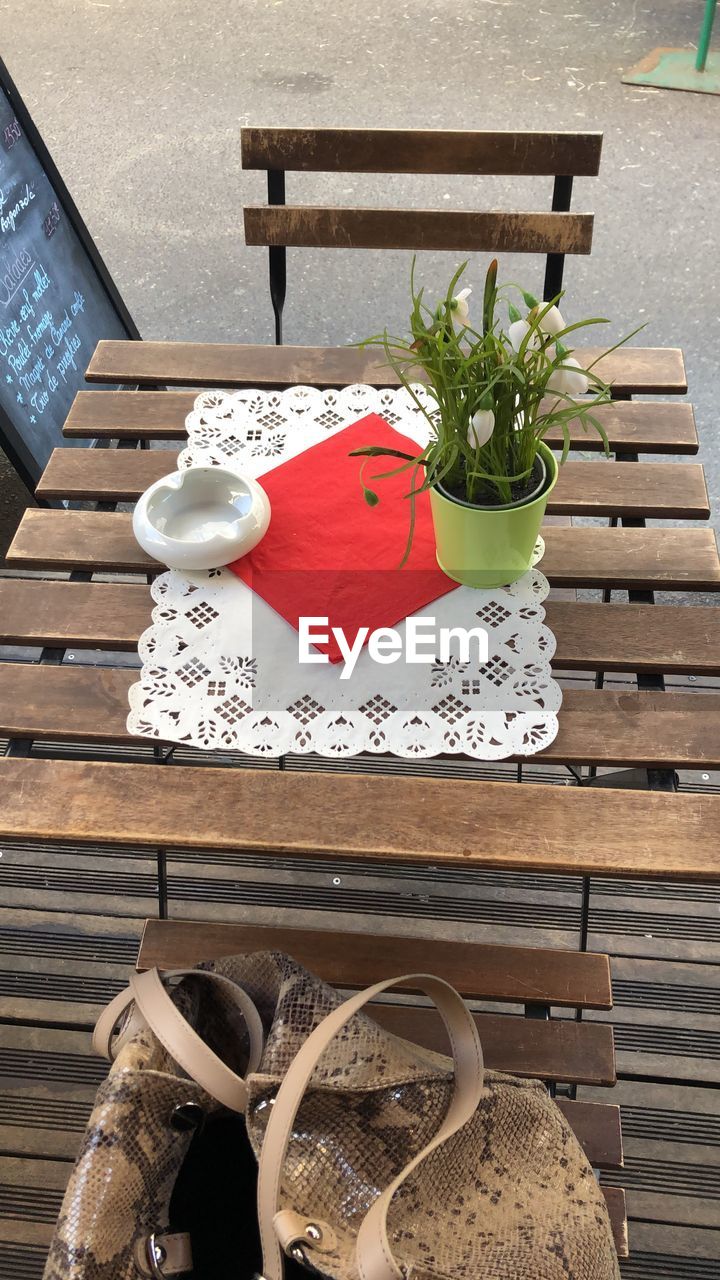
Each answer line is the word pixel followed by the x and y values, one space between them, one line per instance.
pixel 490 546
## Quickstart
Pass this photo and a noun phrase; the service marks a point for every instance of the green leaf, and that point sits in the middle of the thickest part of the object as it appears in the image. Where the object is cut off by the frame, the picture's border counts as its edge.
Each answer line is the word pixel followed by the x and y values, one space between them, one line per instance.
pixel 601 432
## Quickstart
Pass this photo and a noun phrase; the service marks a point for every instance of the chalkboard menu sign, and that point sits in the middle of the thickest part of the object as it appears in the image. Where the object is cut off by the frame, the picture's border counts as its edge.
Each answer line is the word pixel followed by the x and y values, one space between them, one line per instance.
pixel 57 299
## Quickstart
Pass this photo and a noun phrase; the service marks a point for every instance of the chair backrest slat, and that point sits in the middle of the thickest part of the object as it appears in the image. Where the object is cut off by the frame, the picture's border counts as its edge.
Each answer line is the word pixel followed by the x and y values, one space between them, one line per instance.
pixel 479 970
pixel 340 228
pixel 422 151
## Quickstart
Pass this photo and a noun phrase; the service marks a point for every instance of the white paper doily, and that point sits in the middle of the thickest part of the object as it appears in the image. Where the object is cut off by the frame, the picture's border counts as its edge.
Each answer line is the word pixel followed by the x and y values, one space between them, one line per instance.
pixel 220 668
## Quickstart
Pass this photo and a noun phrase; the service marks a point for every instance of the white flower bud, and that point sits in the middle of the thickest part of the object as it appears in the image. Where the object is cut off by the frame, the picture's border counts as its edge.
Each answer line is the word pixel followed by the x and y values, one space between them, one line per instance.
pixel 571 380
pixel 517 332
pixel 552 321
pixel 481 428
pixel 556 381
pixel 576 379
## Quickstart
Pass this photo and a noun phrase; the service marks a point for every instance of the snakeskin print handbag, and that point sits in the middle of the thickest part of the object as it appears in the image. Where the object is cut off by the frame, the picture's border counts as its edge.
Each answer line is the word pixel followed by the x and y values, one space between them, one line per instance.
pixel 255 1123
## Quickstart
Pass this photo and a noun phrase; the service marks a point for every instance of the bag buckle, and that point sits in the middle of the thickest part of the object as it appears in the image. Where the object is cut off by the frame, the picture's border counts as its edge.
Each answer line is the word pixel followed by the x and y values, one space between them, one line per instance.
pixel 155 1255
pixel 164 1254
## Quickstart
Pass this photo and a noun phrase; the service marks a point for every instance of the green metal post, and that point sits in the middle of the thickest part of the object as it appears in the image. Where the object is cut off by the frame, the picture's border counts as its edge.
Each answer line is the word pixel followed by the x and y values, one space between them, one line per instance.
pixel 705 34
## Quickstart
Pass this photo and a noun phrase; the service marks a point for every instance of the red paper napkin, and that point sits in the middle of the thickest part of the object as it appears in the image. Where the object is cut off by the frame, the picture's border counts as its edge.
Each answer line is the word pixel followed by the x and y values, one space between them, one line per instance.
pixel 328 554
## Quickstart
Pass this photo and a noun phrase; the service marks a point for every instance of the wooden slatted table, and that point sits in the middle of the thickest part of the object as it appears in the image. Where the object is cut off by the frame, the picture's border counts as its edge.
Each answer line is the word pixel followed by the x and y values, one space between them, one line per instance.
pixel 643 728
pixel 47 704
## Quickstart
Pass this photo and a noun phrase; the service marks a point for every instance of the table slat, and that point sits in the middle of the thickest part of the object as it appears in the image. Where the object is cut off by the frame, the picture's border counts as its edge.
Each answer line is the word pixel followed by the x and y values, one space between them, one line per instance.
pixel 120 415
pixel 590 637
pixel 573 830
pixel 648 370
pixel 631 426
pixel 673 639
pixel 89 615
pixel 590 557
pixel 674 490
pixel 602 727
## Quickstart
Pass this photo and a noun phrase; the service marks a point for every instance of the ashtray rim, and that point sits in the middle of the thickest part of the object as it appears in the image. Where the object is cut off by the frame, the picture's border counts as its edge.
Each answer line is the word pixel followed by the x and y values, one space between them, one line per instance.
pixel 227 543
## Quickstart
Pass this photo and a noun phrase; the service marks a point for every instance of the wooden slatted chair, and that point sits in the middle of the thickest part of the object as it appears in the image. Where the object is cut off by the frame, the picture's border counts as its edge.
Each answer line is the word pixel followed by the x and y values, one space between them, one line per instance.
pixel 418 151
pixel 536 1045
pixel 657 429
pixel 555 233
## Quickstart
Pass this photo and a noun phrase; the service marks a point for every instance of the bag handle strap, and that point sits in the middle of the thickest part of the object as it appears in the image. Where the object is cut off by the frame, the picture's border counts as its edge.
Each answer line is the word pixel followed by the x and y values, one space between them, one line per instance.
pixel 154 1007
pixel 374 1255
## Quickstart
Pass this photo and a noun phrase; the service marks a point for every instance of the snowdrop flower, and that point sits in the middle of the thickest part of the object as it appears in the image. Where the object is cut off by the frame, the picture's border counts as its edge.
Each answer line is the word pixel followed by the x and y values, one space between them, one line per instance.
pixel 481 428
pixel 575 377
pixel 460 308
pixel 571 379
pixel 552 322
pixel 516 333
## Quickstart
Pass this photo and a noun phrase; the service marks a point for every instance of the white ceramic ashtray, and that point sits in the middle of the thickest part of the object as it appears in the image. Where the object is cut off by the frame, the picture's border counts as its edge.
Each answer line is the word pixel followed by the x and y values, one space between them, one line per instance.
pixel 201 518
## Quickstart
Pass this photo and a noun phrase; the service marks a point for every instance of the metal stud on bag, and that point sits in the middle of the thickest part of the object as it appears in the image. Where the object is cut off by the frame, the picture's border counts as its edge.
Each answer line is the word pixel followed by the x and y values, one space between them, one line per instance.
pixel 186 1116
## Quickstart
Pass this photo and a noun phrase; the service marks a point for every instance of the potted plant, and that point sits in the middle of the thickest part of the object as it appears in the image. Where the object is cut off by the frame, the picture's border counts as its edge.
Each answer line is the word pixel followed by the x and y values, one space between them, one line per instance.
pixel 492 395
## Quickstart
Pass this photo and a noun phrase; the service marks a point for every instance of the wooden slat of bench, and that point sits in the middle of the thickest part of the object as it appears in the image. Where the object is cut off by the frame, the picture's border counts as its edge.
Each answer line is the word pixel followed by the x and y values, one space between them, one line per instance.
pixel 615 1200
pixel 573 830
pixel 478 970
pixel 598 1128
pixel 335 227
pixel 556 1050
pixel 673 490
pixel 601 727
pixel 588 557
pixel 631 370
pixel 421 151
pixel 589 637
pixel 631 426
